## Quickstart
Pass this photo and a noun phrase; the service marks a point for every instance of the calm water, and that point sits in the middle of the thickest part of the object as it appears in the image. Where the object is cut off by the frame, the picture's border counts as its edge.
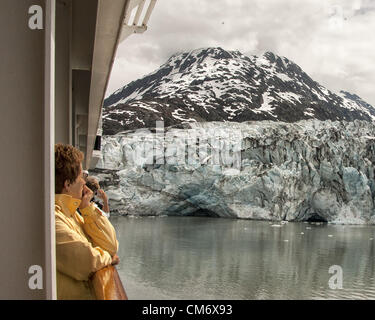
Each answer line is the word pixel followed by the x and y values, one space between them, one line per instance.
pixel 208 258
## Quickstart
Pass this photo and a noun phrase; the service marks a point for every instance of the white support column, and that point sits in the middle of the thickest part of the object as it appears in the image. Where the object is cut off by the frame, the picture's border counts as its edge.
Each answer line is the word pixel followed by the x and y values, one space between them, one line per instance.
pixel 148 13
pixel 139 11
pixel 130 27
pixel 49 154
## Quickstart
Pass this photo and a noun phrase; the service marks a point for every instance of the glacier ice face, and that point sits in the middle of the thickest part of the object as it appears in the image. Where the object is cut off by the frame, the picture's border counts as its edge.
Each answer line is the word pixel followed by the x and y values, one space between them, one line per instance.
pixel 287 171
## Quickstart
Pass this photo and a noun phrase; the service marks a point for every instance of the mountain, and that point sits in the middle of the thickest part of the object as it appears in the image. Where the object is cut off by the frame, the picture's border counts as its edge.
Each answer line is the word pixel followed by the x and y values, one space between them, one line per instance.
pixel 213 84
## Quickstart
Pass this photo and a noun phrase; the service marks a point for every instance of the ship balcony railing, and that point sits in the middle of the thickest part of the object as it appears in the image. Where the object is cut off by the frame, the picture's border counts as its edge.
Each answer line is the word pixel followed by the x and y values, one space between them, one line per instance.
pixel 107 284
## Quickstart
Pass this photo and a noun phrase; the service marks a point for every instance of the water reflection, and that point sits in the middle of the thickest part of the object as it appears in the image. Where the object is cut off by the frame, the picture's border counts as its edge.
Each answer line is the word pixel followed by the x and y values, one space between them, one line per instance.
pixel 208 258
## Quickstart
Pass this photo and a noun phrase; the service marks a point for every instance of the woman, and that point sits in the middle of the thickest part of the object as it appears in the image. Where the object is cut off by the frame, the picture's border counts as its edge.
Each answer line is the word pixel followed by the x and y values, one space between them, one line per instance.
pixel 84 244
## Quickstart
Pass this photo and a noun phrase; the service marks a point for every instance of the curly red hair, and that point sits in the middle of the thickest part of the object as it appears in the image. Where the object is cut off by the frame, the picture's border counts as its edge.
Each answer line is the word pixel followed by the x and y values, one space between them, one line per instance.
pixel 67 165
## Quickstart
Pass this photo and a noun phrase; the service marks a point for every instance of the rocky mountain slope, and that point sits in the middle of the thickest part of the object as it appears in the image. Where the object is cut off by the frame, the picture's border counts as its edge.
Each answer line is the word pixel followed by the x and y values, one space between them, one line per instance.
pixel 213 84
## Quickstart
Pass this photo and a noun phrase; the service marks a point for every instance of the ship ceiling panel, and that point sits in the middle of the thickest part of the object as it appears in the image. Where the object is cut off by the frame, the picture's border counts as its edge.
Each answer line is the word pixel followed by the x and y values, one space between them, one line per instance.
pixel 83 32
pixel 110 17
pixel 81 88
pixel 62 72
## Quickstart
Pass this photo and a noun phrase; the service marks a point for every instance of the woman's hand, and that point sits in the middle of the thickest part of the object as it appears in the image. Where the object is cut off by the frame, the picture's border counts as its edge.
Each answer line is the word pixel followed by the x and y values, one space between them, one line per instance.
pixel 102 195
pixel 87 195
pixel 115 260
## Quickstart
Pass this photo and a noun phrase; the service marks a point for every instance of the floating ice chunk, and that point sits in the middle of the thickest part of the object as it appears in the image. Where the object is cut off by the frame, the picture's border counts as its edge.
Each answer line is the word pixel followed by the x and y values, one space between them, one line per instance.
pixel 276 225
pixel 330 235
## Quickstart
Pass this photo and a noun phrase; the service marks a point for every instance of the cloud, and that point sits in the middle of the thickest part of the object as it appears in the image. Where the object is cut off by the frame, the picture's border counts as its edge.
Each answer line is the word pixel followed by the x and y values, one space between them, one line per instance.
pixel 331 40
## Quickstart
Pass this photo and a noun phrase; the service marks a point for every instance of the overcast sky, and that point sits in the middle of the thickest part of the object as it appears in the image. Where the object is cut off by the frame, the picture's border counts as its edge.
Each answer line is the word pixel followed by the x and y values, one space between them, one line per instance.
pixel 332 41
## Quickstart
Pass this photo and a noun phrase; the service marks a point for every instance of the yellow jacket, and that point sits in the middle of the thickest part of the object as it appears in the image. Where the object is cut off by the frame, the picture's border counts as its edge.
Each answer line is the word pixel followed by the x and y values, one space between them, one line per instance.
pixel 84 245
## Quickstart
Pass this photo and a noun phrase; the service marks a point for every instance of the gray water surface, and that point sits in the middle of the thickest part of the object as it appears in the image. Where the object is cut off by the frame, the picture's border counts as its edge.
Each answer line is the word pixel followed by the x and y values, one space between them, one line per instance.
pixel 210 258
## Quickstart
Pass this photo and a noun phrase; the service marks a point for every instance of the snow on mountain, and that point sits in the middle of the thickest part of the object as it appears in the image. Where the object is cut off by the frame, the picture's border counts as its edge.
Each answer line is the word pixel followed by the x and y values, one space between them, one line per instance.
pixel 213 84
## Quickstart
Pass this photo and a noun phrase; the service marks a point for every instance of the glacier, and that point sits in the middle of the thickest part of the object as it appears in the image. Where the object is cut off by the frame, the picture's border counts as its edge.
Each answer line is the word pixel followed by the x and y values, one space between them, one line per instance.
pixel 280 171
